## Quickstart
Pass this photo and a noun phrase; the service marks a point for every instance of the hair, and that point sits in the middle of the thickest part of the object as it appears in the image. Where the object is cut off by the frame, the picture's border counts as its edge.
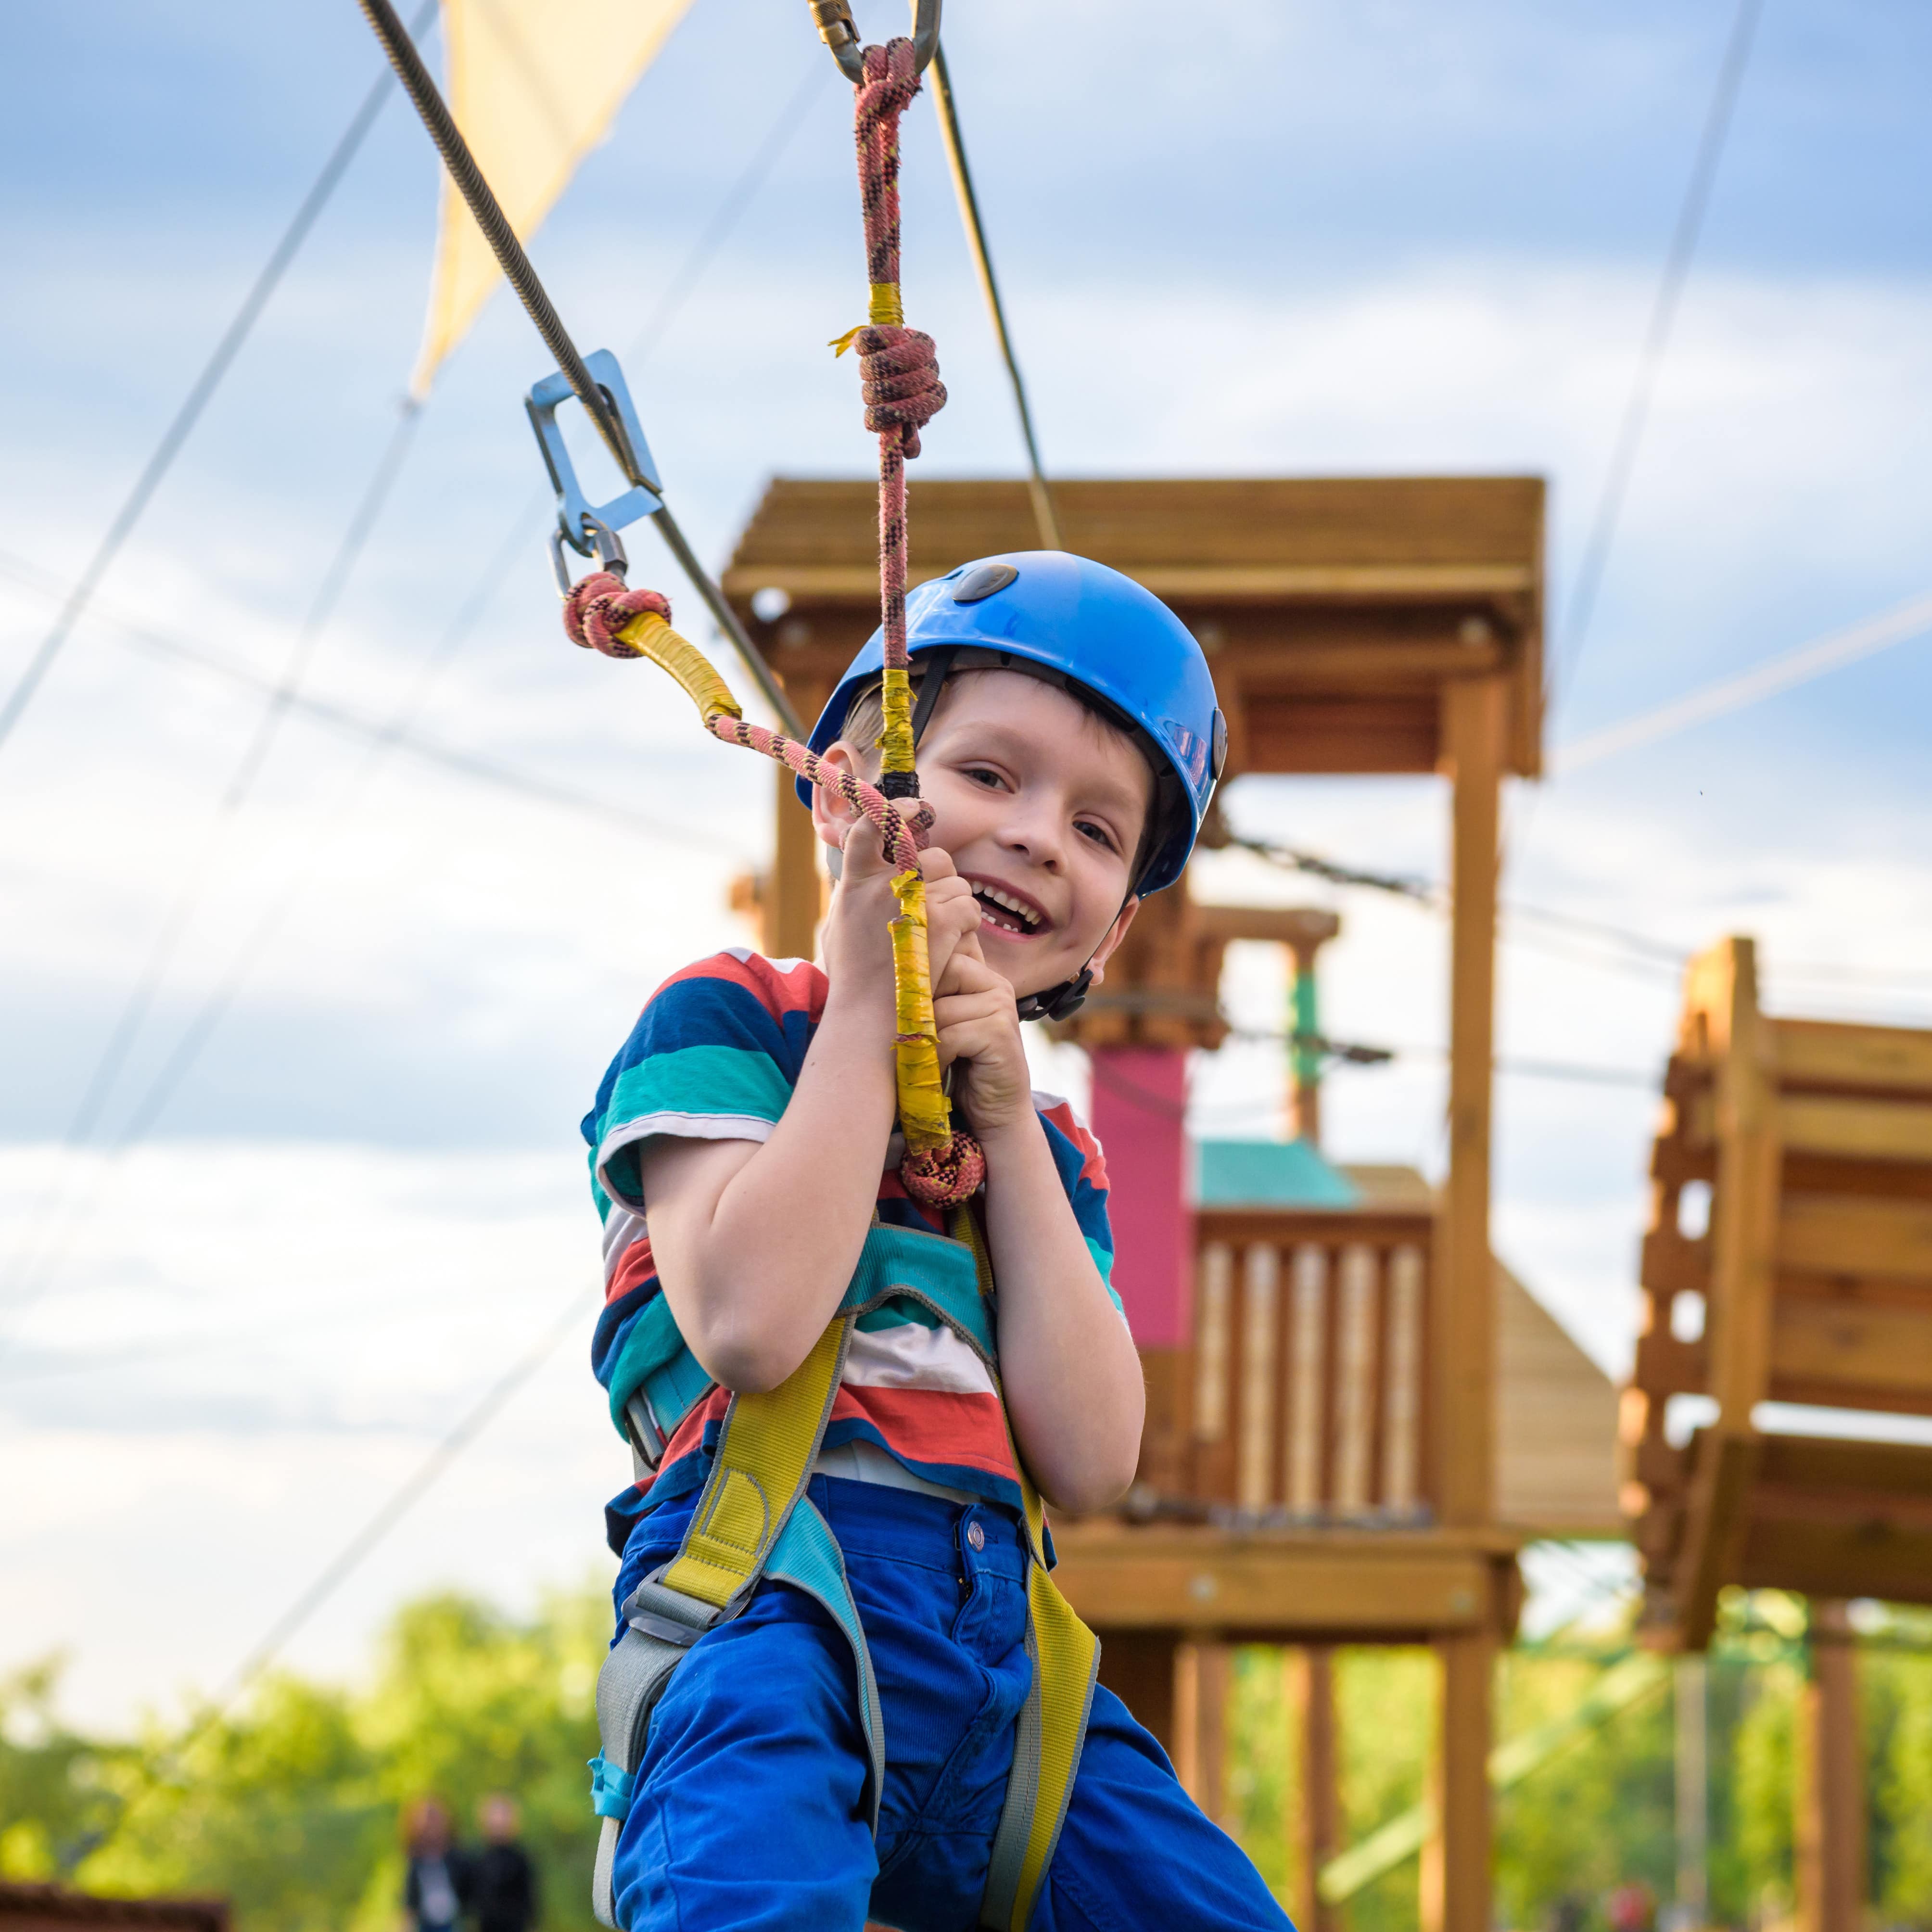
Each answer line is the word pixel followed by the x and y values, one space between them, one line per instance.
pixel 865 723
pixel 416 1814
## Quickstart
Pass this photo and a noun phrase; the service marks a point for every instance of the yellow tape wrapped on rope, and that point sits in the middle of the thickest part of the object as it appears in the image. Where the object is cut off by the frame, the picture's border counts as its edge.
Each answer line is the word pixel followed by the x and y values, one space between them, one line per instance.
pixel 629 624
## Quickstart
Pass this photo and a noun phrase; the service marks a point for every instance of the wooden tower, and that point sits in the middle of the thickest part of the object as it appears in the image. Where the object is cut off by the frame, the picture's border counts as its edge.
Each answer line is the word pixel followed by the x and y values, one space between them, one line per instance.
pixel 1360 625
pixel 1789 1261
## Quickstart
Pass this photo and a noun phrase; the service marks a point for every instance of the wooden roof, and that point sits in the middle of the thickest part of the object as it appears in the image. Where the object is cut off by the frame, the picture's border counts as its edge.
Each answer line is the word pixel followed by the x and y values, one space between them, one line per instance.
pixel 1556 1425
pixel 1334 609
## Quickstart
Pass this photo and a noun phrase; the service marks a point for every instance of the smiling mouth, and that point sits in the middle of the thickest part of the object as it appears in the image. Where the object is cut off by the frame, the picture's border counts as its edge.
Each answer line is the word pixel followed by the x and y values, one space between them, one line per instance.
pixel 1004 912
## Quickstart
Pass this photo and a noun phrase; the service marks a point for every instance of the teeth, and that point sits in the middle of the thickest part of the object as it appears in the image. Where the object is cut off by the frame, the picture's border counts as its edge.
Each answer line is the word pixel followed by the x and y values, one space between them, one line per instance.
pixel 1025 914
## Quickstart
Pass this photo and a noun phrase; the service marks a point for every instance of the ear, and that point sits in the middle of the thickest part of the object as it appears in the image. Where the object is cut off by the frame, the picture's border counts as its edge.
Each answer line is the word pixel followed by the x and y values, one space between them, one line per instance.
pixel 832 818
pixel 1108 946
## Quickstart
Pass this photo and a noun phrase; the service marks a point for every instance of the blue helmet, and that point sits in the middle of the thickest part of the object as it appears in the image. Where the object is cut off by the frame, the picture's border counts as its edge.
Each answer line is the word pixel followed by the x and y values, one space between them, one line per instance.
pixel 1095 628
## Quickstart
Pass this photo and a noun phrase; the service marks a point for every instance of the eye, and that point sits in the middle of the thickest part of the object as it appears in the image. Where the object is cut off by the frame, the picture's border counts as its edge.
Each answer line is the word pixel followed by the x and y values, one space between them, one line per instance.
pixel 984 775
pixel 1099 834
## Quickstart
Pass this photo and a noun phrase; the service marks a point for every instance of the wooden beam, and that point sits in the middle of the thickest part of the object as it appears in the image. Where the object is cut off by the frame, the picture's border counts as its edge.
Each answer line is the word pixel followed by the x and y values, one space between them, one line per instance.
pixel 795 899
pixel 1315 1827
pixel 1827 1053
pixel 1828 1834
pixel 1715 1522
pixel 1455 1876
pixel 1838 1235
pixel 1722 1022
pixel 1860 1354
pixel 1473 716
pixel 1856 1130
pixel 1862 1554
pixel 1278 1587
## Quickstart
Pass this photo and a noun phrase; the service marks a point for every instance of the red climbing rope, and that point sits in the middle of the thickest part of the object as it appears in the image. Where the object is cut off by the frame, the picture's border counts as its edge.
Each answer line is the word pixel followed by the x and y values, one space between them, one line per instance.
pixel 900 376
pixel 899 372
pixel 601 604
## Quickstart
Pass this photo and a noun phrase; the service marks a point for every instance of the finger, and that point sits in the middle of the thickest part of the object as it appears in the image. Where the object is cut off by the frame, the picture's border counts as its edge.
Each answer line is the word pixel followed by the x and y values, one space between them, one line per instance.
pixel 968 973
pixel 936 864
pixel 865 853
pixel 969 1010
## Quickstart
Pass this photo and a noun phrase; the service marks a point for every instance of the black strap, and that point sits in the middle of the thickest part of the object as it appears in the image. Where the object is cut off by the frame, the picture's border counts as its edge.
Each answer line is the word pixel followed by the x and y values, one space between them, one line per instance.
pixel 936 664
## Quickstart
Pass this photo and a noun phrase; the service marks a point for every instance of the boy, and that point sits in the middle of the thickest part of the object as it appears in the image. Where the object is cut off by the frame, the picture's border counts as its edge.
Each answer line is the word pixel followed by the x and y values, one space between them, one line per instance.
pixel 1068 745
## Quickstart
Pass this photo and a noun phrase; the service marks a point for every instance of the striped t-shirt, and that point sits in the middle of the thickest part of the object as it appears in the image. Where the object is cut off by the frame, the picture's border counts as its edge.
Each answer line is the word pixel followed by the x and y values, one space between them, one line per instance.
pixel 715 1056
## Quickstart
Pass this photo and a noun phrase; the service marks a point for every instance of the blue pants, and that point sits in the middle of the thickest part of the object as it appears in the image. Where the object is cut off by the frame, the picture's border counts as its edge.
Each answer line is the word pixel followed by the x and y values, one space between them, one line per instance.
pixel 749 1806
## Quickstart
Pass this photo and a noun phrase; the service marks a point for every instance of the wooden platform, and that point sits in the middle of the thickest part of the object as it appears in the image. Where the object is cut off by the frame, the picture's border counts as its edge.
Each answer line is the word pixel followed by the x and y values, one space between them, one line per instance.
pixel 1314 1585
pixel 1811 1285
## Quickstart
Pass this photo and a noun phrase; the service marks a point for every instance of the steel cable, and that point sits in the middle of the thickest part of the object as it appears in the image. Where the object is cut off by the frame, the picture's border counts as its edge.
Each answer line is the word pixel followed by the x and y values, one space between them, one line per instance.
pixel 199 396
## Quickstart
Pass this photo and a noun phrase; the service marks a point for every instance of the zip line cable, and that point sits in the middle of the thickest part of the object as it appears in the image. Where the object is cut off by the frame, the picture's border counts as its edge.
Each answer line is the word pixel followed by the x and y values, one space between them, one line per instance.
pixel 1656 338
pixel 349 1558
pixel 148 1109
pixel 517 270
pixel 1899 625
pixel 1043 513
pixel 385 738
pixel 478 765
pixel 190 413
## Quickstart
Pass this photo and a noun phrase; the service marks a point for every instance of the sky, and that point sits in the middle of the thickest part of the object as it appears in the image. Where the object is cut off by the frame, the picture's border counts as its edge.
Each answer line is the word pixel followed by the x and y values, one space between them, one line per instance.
pixel 1299 239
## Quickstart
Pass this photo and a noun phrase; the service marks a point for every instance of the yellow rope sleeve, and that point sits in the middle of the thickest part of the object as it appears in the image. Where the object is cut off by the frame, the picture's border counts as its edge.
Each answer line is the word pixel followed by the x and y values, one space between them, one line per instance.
pixel 924 1116
pixel 884 310
pixel 649 633
pixel 895 747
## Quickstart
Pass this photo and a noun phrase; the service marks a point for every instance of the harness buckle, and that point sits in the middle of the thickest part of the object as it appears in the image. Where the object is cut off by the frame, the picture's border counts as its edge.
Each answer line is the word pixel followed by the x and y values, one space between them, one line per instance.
pixel 656 1610
pixel 641 1421
pixel 588 527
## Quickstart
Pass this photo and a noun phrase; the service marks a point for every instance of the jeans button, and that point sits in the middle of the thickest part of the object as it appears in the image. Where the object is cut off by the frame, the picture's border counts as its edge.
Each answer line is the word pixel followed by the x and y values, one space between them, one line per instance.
pixel 975 1536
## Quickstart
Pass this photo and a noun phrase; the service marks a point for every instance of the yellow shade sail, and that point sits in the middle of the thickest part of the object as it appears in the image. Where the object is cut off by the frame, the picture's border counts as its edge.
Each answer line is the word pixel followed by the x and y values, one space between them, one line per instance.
pixel 534 85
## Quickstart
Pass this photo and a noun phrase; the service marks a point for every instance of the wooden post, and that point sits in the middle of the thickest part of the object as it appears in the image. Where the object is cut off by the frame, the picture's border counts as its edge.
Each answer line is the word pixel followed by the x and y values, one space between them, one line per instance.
pixel 1744 1245
pixel 1140 1668
pixel 1316 1830
pixel 1200 1725
pixel 1455 1890
pixel 1464 1337
pixel 793 897
pixel 1455 1876
pixel 1828 1840
pixel 1694 1803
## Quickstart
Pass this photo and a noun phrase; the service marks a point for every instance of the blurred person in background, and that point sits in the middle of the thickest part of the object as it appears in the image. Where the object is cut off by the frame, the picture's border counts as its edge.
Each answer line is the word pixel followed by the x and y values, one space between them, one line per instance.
pixel 502 1891
pixel 435 1889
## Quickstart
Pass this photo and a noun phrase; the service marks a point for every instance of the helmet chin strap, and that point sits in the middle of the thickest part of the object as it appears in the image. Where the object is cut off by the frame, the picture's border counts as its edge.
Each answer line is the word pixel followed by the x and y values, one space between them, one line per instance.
pixel 1057 1002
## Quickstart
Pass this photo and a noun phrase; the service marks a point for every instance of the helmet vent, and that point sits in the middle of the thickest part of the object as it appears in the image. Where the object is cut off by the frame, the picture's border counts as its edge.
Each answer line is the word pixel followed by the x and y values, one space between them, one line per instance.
pixel 981 583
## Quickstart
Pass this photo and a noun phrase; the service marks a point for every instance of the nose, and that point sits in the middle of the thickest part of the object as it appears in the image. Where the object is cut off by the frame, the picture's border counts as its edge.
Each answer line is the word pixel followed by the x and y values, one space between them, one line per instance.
pixel 1035 828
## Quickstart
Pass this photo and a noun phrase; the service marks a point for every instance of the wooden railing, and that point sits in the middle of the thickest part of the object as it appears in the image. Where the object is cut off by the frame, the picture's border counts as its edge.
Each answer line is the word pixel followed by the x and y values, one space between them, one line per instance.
pixel 1309 1397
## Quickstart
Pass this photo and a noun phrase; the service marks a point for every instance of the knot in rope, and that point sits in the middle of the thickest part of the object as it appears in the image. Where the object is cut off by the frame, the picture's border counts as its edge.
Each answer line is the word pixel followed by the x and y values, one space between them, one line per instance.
pixel 898 371
pixel 601 604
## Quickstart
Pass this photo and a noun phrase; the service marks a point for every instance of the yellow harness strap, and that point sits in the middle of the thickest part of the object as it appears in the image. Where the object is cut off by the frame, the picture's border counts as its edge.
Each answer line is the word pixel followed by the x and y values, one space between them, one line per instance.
pixel 766 1450
pixel 1052 1727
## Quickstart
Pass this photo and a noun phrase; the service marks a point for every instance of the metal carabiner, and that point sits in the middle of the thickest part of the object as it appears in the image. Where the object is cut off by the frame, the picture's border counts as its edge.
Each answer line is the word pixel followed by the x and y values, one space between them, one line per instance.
pixel 600 541
pixel 590 528
pixel 833 20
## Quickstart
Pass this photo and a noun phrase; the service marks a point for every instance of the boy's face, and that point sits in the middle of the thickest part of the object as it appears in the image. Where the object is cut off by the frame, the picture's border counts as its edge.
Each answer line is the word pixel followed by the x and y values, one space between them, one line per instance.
pixel 1040 806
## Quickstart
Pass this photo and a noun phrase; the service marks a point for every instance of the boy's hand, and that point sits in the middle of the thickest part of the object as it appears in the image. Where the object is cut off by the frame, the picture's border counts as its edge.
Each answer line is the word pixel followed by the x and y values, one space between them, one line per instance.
pixel 978 1025
pixel 858 946
pixel 952 915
